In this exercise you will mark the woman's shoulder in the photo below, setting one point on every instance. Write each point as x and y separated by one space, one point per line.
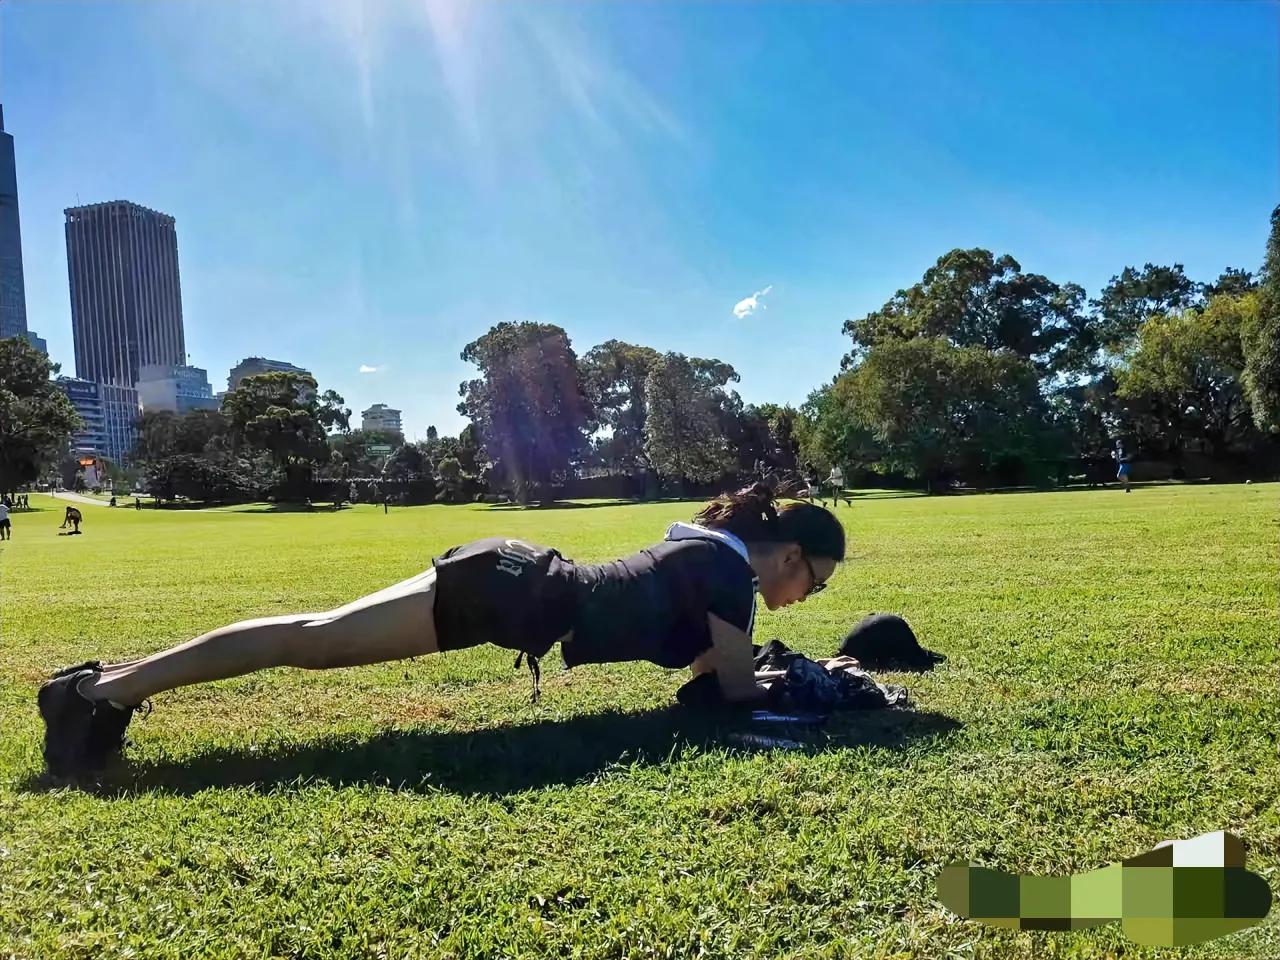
709 555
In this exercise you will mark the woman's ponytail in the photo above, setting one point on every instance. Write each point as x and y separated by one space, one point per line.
749 514
753 515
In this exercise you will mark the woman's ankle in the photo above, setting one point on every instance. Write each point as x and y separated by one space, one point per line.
99 687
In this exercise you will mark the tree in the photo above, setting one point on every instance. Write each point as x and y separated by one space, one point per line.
614 377
1261 340
36 417
936 410
157 436
831 432
280 413
352 448
450 480
1187 365
784 423
194 477
528 406
971 298
164 433
197 429
1232 282
1132 296
683 439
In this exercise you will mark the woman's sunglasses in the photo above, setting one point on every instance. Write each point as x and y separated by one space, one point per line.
816 585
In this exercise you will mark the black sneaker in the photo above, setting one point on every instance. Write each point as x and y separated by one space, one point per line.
68 718
80 735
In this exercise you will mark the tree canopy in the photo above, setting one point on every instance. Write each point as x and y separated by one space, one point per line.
36 418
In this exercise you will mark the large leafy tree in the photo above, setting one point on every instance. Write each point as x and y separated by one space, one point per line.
1232 282
614 376
282 414
1187 367
353 457
784 425
683 436
831 432
36 418
1133 296
164 433
936 410
971 298
196 478
157 436
1261 339
528 405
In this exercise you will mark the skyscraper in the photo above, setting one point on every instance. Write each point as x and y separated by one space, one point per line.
13 296
126 305
126 299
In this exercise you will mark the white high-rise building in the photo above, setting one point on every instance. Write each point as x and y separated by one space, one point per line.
382 418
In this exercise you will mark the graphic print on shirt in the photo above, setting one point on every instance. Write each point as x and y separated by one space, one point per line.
515 556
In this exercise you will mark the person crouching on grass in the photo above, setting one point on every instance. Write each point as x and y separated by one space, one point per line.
688 601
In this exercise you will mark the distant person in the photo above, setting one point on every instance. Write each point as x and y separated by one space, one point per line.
812 491
6 528
72 517
386 503
1123 465
137 504
687 601
113 502
836 482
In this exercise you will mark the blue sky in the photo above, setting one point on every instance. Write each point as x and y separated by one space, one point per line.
373 185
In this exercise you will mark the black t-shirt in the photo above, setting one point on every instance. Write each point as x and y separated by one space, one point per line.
653 605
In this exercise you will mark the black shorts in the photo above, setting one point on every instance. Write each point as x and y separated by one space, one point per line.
4 524
510 593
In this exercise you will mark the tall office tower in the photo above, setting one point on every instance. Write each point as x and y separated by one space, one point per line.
13 295
126 305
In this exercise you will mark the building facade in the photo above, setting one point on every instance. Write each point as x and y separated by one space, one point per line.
251 366
381 417
86 397
126 297
120 412
13 293
175 388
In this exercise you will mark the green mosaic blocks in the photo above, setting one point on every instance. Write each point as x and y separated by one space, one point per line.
1180 893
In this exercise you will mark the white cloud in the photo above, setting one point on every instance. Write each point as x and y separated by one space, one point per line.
747 306
365 368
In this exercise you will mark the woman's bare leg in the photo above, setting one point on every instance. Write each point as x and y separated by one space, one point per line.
392 624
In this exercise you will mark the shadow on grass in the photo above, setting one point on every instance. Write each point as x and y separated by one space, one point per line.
323 507
498 761
573 504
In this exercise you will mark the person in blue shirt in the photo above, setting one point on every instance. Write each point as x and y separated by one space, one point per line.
1123 465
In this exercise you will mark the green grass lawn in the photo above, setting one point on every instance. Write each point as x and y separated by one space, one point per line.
1114 680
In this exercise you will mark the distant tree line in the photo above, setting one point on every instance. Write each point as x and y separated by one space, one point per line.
981 373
